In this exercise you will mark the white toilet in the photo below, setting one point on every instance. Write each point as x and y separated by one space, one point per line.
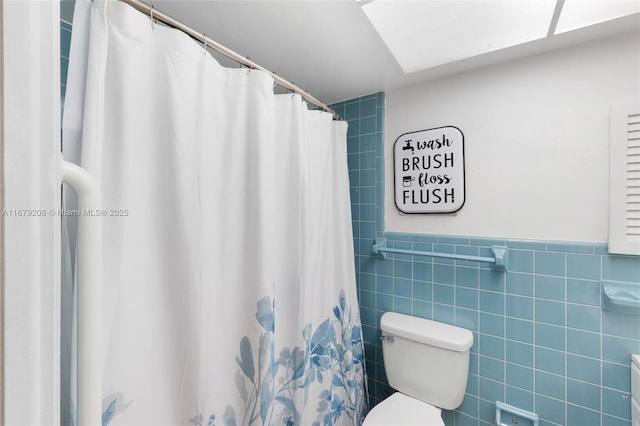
427 362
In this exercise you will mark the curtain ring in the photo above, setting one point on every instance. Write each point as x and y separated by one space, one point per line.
153 22
205 43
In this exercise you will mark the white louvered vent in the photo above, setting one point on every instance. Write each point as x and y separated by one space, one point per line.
624 184
633 176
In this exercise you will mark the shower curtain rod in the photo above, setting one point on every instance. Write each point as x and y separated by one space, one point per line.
168 20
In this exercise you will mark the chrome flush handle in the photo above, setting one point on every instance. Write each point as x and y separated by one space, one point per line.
387 339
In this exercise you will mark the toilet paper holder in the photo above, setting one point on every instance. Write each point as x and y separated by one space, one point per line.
507 415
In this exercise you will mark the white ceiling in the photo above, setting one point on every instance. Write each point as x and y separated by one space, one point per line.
330 48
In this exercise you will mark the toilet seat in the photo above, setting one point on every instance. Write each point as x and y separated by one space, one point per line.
400 409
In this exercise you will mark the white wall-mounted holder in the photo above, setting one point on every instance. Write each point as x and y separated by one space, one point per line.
499 260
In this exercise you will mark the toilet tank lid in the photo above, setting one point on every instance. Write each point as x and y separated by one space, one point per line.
426 331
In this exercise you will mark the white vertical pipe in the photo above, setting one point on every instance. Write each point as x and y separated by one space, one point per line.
89 294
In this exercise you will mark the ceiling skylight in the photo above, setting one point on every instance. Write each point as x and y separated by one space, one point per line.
581 13
422 34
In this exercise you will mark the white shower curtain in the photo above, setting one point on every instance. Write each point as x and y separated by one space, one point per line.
229 282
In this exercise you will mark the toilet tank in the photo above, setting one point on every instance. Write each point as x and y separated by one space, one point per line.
425 359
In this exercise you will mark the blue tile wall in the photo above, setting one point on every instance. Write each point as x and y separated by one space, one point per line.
541 340
65 43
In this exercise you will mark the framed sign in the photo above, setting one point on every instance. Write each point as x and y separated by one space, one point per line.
429 171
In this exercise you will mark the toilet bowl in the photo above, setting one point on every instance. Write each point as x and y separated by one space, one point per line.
427 363
400 409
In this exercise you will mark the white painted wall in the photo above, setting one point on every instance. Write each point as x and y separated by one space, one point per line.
536 141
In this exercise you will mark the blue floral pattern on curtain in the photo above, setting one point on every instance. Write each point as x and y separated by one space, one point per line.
275 388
